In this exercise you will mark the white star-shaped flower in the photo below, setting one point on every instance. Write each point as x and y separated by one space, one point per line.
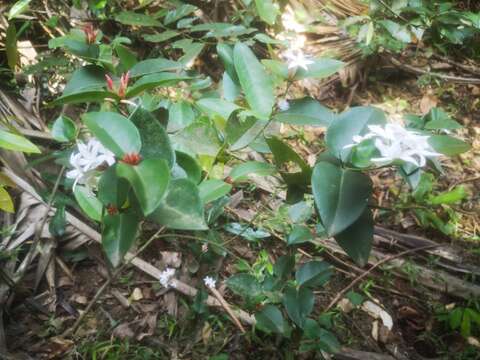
89 157
209 282
166 277
297 59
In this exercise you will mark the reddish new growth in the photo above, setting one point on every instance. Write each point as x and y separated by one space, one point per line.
90 33
131 159
112 209
122 89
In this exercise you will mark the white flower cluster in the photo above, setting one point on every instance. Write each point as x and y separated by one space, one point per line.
89 157
209 282
394 142
166 278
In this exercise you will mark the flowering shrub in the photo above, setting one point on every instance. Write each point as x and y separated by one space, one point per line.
155 129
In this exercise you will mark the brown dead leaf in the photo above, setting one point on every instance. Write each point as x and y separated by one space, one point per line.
206 333
171 259
79 299
123 331
428 102
150 322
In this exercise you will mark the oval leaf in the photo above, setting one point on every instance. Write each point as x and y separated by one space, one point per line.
149 180
15 142
306 111
114 131
340 195
118 235
88 203
313 273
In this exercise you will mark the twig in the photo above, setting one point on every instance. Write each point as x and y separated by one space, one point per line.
381 262
418 71
227 308
100 291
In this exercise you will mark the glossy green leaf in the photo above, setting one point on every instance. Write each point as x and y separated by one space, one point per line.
241 171
18 8
313 273
114 131
231 91
225 52
217 107
112 190
213 189
118 235
299 304
127 58
199 138
300 234
64 129
181 208
81 48
180 115
179 12
256 84
154 138
270 319
58 222
448 145
439 119
188 166
242 132
399 32
245 285
158 38
357 239
267 10
348 124
149 180
284 266
306 111
449 197
88 202
152 66
15 142
152 81
6 203
220 30
341 195
136 19
320 69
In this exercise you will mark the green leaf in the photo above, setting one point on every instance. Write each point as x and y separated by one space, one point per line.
199 138
15 142
313 274
154 138
270 319
180 115
299 304
187 166
64 129
300 234
112 190
284 266
242 132
306 111
118 235
152 81
320 69
164 36
348 124
256 84
18 8
439 119
222 29
149 180
11 46
6 203
241 171
217 107
86 85
179 12
127 58
245 285
340 195
267 10
136 19
181 208
231 91
357 239
449 197
225 52
213 189
152 66
448 145
81 48
88 202
397 31
114 131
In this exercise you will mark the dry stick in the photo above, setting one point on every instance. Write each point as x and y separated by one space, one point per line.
381 262
227 308
100 291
